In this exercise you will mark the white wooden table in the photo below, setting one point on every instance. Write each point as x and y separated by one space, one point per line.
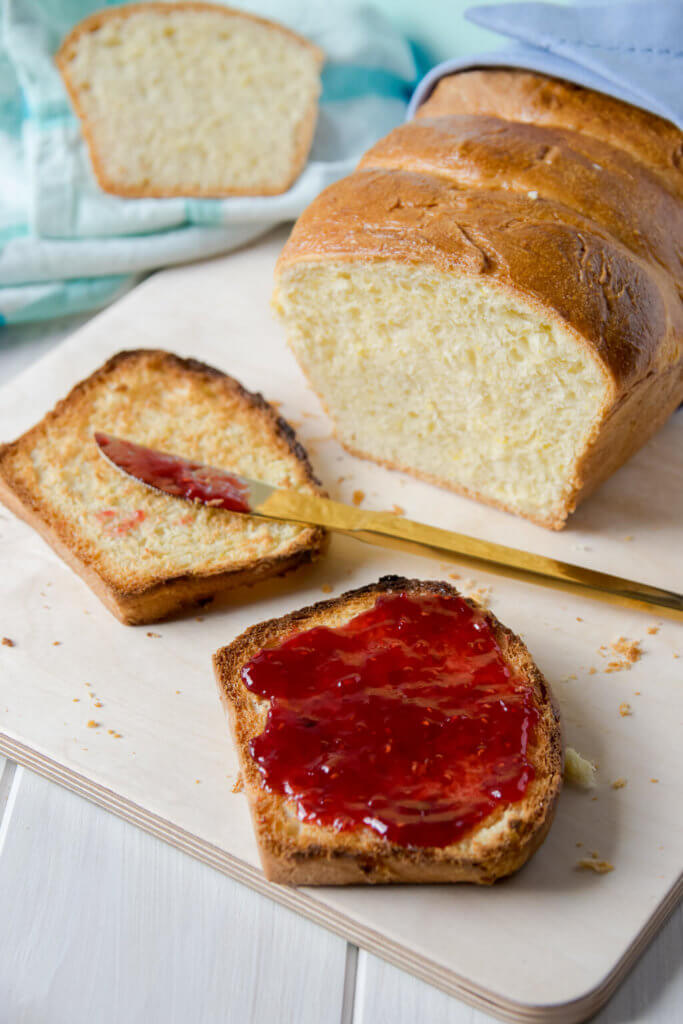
101 923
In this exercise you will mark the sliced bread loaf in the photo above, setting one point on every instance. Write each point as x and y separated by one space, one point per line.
513 280
146 554
398 733
192 99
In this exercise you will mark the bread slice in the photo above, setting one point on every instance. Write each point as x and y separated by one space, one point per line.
192 99
304 852
147 554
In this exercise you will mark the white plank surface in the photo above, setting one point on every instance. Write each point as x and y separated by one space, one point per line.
103 923
652 994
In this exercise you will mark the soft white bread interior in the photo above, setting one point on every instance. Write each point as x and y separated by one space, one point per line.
192 99
144 553
464 383
495 305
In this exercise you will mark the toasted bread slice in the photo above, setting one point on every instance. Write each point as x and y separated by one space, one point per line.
147 554
192 99
296 849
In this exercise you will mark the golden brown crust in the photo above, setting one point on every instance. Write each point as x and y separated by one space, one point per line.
604 184
566 265
527 96
313 855
93 22
131 601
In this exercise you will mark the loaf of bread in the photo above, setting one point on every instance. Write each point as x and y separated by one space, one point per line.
146 554
492 301
192 99
360 768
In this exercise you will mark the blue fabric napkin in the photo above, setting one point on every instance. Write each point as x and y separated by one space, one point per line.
631 50
65 245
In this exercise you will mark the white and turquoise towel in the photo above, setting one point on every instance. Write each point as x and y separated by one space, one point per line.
65 245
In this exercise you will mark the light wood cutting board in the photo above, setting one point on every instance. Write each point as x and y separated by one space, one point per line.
551 943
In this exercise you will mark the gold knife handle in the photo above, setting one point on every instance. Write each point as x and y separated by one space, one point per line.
583 582
391 531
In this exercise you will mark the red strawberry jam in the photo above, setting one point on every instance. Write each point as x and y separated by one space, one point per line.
172 474
406 719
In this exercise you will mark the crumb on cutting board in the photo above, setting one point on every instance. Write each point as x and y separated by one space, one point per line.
625 709
578 770
619 783
652 630
92 724
594 863
358 497
6 642
628 651
239 783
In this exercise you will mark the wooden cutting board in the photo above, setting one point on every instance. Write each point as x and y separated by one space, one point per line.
551 943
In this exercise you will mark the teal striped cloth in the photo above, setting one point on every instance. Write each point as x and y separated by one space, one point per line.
67 246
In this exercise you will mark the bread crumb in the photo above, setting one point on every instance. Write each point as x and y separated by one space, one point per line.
111 732
567 679
197 781
578 770
629 536
654 780
76 700
327 588
239 783
629 649
99 704
92 724
358 496
579 844
177 691
579 619
600 867
398 510
454 576
592 670
652 630
619 783
625 709
117 736
88 684
6 642
629 652
150 633
56 643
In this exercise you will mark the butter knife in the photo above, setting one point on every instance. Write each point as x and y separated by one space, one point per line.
185 478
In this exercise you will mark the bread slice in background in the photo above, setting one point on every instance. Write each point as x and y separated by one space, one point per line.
304 853
147 554
192 99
